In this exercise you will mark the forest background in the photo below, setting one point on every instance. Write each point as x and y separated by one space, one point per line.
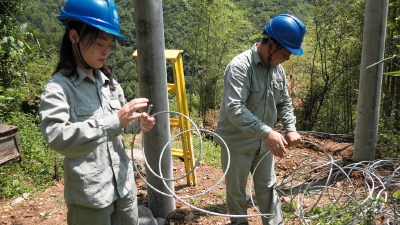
323 82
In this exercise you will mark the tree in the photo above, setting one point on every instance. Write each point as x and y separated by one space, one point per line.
335 40
219 31
16 47
391 84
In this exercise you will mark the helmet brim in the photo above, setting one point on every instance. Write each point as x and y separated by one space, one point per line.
295 51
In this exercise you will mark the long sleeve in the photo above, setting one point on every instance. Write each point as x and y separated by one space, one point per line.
237 90
67 138
133 126
285 106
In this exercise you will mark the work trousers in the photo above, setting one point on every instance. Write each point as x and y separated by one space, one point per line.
264 183
123 211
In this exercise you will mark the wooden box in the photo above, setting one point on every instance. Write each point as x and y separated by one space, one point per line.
10 145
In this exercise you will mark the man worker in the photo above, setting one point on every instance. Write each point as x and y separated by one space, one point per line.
254 95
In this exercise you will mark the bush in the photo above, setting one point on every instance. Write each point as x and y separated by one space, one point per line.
388 136
40 166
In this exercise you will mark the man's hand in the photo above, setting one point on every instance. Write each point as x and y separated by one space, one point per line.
276 143
127 113
293 138
146 122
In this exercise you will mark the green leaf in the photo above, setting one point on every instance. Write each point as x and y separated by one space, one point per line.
4 40
395 73
15 183
384 60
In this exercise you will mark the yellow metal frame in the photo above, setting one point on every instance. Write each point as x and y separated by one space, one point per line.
179 89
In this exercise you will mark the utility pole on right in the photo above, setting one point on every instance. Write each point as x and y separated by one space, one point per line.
373 50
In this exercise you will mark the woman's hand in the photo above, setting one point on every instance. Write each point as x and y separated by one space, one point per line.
146 122
128 112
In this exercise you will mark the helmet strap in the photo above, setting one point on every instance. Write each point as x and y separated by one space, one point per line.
65 22
76 45
78 53
270 55
77 48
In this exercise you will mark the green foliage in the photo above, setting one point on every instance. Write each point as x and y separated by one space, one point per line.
15 45
288 208
328 78
36 171
260 12
323 81
211 152
27 87
211 48
388 135
8 10
220 194
23 74
345 214
18 52
390 83
391 58
41 20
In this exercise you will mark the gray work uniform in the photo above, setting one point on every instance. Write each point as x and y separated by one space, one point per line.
79 121
254 97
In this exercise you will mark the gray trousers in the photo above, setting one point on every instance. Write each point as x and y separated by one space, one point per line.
264 183
123 211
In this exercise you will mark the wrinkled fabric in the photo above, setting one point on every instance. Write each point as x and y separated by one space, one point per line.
79 121
124 211
264 179
253 98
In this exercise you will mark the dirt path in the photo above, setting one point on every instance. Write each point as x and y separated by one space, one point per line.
48 207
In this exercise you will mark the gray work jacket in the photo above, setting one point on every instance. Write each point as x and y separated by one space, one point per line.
79 121
253 97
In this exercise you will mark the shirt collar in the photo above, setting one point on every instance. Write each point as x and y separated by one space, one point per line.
80 76
101 77
256 56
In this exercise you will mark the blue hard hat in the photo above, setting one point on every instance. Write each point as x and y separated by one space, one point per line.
288 30
102 14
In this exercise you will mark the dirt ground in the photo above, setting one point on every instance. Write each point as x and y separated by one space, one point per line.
48 207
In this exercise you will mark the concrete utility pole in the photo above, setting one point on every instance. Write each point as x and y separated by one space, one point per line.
370 80
153 85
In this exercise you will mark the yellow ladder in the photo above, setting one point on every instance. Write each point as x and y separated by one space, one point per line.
179 89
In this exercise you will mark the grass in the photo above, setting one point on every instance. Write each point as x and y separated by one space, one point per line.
211 153
220 194
335 215
59 201
197 201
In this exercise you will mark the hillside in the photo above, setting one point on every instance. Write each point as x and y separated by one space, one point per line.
181 25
